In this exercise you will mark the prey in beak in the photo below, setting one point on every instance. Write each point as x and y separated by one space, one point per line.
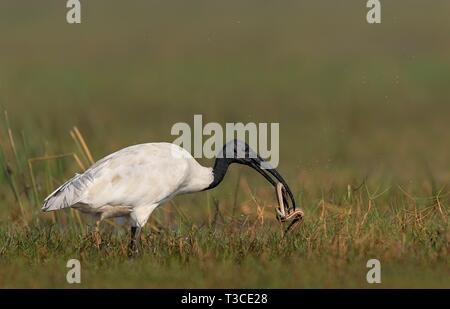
293 217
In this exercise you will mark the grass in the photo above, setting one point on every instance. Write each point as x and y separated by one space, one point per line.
237 245
364 140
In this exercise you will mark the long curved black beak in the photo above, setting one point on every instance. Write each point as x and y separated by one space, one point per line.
264 168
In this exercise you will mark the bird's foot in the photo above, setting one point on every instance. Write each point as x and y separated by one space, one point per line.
133 250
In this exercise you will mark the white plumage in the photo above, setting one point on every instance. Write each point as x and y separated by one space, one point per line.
132 182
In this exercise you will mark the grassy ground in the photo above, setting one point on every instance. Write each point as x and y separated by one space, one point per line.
364 137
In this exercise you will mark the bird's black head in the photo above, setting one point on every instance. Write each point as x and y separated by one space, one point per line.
237 151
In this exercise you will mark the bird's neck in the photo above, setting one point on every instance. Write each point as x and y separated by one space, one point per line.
219 170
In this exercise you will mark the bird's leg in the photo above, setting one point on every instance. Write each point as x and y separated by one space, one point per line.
133 248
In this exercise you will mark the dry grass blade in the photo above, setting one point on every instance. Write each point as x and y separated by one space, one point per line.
83 145
8 171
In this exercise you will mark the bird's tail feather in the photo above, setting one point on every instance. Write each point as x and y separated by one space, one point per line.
66 195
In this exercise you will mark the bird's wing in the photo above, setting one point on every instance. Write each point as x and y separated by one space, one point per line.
73 190
68 194
140 175
137 175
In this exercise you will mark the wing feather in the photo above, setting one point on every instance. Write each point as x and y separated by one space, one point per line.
69 193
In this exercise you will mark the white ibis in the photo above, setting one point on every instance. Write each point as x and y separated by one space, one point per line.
132 182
